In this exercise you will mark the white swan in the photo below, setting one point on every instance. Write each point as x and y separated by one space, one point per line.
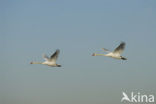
115 54
50 61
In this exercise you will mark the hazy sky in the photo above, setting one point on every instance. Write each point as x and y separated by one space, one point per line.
29 28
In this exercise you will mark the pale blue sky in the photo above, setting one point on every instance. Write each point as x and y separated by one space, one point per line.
29 28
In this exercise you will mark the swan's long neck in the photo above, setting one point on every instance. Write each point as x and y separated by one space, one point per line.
36 63
94 54
100 54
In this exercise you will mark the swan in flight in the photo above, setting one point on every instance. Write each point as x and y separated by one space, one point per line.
115 54
50 61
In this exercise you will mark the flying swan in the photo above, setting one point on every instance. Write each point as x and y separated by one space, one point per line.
50 61
115 54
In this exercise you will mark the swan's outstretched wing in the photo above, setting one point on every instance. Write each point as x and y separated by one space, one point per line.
55 55
45 57
120 48
106 50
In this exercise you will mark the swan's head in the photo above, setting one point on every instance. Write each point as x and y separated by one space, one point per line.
94 54
31 62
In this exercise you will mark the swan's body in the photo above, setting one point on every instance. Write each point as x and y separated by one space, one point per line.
50 61
115 54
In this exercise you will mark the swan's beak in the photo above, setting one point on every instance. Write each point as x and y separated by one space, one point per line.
93 54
